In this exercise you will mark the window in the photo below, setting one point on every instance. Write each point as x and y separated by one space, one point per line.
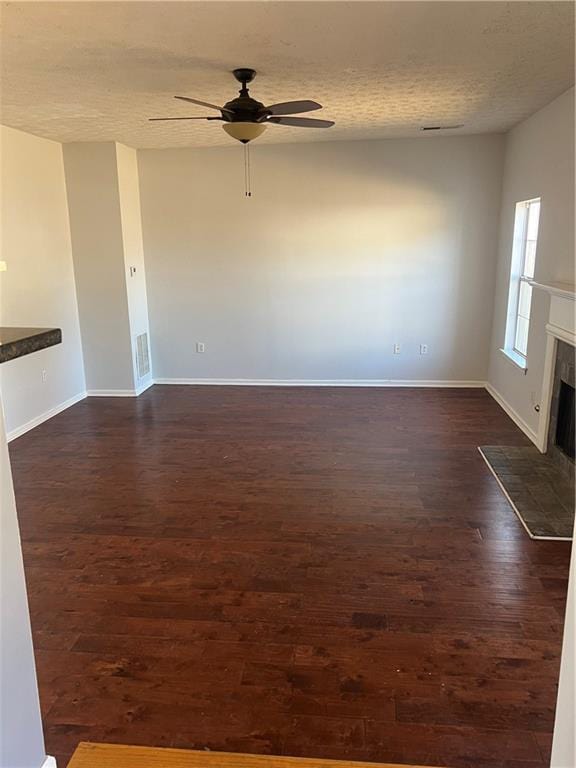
521 274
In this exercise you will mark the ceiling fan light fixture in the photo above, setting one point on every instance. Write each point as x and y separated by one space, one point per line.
244 131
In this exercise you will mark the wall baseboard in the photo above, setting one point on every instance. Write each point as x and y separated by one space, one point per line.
121 392
323 382
112 393
518 420
14 433
144 387
417 383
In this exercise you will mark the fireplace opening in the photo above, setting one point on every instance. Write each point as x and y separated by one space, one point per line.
565 438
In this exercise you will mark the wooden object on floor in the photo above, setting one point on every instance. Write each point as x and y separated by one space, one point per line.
90 755
292 571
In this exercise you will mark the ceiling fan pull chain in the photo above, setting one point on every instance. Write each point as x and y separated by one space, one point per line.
245 171
249 171
247 174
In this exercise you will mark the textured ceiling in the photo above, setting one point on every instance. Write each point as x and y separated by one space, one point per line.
95 71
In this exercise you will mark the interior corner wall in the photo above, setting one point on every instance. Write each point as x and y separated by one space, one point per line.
38 287
539 162
98 251
345 249
134 266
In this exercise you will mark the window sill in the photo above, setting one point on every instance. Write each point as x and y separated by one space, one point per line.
514 357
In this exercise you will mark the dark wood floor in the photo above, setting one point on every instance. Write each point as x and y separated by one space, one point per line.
321 572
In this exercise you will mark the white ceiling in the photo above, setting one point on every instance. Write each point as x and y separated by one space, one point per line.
95 71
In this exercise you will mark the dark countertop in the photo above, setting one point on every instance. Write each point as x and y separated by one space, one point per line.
17 342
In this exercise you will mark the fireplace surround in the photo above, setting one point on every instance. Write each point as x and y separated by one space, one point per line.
559 369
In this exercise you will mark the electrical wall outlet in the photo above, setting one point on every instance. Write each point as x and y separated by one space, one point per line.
396 349
200 346
423 349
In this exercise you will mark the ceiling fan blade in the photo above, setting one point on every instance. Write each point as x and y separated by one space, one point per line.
154 119
301 122
293 107
203 104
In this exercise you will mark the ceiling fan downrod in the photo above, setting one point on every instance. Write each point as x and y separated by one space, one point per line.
244 75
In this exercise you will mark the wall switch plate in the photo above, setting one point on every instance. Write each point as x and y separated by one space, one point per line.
200 346
423 349
396 349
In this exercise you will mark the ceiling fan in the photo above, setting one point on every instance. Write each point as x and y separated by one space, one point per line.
245 118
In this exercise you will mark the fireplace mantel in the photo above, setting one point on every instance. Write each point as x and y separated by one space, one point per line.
565 290
561 326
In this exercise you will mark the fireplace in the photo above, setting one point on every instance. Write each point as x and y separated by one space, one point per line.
561 429
565 423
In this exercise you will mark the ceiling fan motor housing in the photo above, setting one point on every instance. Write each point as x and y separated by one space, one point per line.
244 109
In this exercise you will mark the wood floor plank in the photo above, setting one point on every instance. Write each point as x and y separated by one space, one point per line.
302 572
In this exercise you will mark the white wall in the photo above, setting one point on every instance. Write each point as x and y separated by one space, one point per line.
564 742
21 738
539 163
345 249
38 287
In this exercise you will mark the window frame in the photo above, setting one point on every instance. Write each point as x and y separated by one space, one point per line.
519 277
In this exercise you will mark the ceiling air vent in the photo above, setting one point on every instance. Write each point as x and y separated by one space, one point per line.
440 127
